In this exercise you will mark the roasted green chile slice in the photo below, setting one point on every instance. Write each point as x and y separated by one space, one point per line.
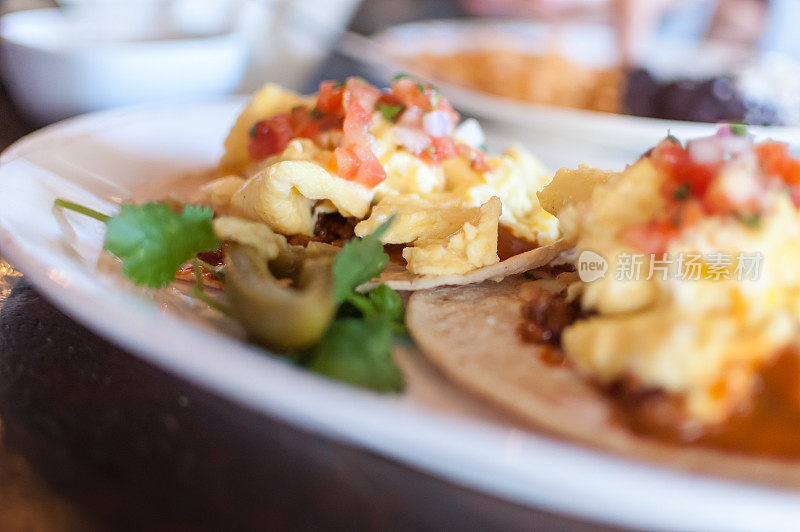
287 312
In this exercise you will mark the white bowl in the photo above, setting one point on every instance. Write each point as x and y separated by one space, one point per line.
54 68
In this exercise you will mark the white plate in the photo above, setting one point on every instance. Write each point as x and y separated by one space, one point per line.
555 132
99 159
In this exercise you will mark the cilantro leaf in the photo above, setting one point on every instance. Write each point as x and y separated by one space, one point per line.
672 138
357 347
436 97
381 303
387 302
750 219
153 241
360 260
682 192
390 112
359 352
739 128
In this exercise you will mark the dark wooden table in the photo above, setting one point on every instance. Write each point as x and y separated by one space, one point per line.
94 438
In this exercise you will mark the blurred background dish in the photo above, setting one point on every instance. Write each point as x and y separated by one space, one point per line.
579 66
289 39
574 66
112 53
558 86
525 73
55 66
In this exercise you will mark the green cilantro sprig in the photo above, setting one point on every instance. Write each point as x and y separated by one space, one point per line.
360 260
198 292
390 112
359 352
682 192
357 347
435 95
750 219
152 240
739 128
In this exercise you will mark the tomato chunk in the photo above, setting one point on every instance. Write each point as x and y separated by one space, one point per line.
329 99
441 148
356 123
271 136
344 163
676 161
358 90
651 237
357 163
776 161
412 94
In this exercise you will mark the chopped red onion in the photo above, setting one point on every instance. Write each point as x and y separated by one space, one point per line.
413 140
437 124
736 144
705 150
719 147
724 131
470 133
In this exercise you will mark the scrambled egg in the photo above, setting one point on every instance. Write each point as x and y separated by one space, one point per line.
445 236
701 339
447 214
515 178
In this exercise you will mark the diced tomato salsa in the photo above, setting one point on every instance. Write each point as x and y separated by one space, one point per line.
348 107
329 99
776 161
681 170
689 192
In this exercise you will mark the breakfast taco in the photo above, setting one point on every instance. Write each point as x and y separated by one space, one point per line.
337 165
670 332
324 206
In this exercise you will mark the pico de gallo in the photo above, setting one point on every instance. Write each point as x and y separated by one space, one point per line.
693 187
342 115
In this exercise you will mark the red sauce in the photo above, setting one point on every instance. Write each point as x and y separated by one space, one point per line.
544 317
395 252
213 258
552 356
331 228
509 245
768 426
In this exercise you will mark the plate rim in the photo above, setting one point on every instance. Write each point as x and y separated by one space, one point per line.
470 456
